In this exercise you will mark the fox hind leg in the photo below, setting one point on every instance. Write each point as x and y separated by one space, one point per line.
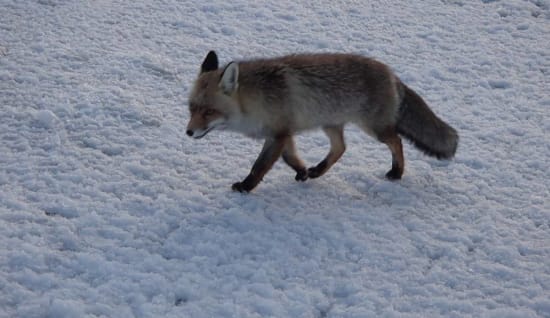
337 148
393 141
290 157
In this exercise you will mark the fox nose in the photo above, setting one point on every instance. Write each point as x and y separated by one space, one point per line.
189 132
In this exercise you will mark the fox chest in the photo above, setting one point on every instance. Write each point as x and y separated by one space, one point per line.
251 127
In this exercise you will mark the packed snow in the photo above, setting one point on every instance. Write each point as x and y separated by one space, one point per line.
107 208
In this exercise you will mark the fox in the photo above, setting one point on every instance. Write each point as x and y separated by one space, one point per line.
276 98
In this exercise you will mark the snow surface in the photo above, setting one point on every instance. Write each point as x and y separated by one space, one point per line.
107 209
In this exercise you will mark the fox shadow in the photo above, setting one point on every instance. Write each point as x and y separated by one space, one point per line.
332 192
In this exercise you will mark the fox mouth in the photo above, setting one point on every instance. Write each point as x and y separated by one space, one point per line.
204 133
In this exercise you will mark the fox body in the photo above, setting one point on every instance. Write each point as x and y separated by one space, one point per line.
274 99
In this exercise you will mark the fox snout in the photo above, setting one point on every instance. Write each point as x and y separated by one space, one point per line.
195 129
201 123
199 133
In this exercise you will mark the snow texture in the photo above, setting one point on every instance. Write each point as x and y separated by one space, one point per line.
107 208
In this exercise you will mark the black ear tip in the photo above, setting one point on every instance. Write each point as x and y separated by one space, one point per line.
210 62
212 56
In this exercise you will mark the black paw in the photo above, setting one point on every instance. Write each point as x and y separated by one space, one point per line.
318 170
314 172
394 174
301 175
240 186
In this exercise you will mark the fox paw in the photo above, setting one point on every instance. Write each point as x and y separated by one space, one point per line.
240 187
314 172
394 174
301 175
318 170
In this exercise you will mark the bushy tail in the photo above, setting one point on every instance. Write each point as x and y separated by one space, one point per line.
424 129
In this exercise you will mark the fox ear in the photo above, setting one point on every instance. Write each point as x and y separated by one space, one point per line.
210 63
229 81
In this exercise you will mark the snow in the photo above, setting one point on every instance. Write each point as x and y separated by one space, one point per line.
107 208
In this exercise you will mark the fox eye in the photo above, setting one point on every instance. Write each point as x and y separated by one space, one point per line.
209 112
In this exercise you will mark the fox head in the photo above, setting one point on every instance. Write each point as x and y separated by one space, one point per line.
212 102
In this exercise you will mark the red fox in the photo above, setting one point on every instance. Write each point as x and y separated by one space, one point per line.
276 98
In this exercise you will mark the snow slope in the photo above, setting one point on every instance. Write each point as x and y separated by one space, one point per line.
107 209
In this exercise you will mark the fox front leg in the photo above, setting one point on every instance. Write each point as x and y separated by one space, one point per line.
290 157
337 148
271 151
